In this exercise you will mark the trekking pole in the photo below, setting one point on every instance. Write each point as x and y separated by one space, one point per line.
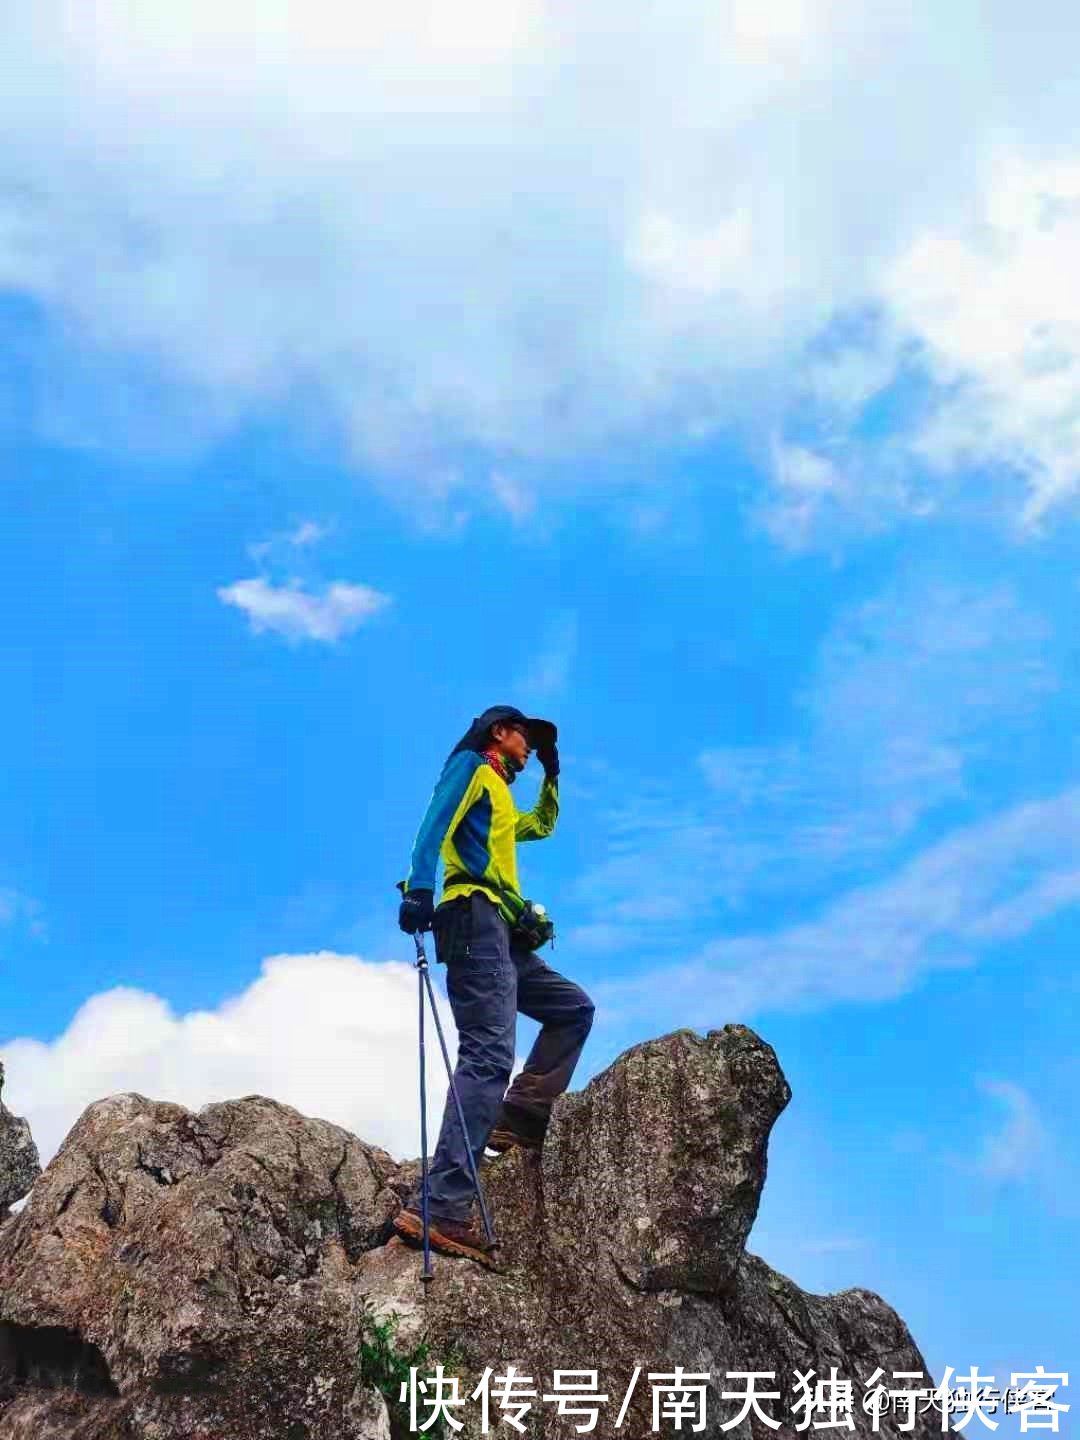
425 979
426 1273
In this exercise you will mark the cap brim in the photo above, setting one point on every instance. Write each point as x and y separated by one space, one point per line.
541 733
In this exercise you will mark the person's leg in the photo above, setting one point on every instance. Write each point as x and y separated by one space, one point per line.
481 984
565 1013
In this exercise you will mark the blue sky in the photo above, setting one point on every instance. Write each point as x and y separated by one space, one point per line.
330 438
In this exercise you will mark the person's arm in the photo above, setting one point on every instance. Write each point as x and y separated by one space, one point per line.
451 790
539 822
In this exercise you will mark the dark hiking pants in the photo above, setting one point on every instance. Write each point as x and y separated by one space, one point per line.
487 982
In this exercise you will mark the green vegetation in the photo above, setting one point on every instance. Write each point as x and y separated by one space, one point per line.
386 1368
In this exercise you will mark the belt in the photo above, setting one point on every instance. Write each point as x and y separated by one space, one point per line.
493 890
449 884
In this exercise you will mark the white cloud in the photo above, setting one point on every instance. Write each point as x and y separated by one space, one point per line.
804 482
332 1035
979 312
997 318
290 611
677 256
766 22
386 222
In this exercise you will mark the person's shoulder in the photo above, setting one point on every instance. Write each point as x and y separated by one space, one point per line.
464 763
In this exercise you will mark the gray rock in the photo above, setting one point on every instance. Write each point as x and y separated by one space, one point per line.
673 1139
623 1245
192 1276
19 1162
207 1275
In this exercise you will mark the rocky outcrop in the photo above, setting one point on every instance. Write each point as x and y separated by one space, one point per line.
221 1275
19 1163
195 1274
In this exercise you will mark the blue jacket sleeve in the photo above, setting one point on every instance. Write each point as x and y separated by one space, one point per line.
445 799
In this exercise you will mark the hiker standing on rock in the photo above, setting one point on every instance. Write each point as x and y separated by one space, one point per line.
487 936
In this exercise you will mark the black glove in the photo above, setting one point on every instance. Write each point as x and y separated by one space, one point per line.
417 911
548 755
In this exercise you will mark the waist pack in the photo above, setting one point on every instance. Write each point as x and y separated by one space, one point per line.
534 928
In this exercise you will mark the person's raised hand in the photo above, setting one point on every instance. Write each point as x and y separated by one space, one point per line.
548 755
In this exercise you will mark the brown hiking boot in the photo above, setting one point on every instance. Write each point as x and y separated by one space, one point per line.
449 1237
516 1127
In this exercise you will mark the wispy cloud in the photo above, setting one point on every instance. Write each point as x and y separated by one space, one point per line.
513 496
833 1245
804 483
306 534
866 834
909 690
23 910
547 672
1017 1149
878 940
309 533
291 611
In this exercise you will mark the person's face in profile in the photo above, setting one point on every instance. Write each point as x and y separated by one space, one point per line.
512 742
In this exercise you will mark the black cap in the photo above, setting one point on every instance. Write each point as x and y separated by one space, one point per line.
538 732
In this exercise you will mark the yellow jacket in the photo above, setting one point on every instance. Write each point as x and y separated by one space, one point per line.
472 823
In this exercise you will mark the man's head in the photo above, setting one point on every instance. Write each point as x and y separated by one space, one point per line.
511 739
517 732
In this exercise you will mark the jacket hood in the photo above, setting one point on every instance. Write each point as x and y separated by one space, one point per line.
478 735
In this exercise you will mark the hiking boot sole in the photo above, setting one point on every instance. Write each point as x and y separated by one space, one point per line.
411 1227
501 1139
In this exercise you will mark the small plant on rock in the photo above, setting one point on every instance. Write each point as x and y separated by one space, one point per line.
386 1368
